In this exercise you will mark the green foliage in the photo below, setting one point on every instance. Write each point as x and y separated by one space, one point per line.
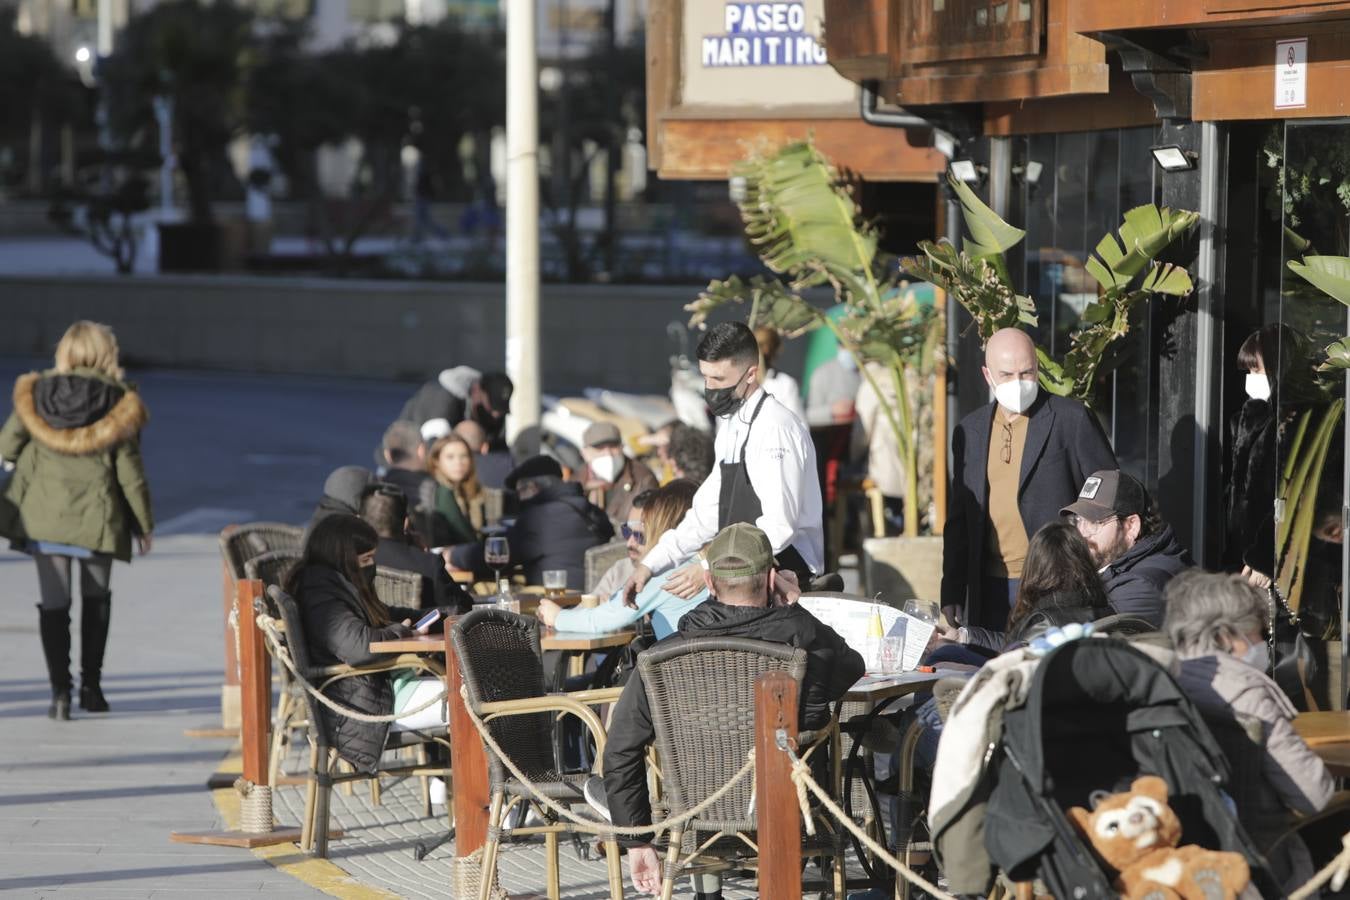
1331 276
801 217
1124 264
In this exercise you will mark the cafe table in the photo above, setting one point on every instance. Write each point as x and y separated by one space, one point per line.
549 639
1327 733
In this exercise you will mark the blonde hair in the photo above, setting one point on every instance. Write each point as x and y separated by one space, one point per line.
666 508
468 490
88 345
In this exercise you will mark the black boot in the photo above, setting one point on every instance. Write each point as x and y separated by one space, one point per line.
55 628
95 613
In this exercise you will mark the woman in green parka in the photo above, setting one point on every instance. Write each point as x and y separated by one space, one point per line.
77 494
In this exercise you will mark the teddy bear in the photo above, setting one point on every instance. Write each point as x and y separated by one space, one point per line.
1136 833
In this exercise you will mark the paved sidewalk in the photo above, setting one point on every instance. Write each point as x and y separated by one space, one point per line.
86 806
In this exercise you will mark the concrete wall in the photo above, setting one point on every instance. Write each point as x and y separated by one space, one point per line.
612 336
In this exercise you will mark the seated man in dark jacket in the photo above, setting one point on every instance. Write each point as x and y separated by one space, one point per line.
556 524
1136 551
386 510
741 578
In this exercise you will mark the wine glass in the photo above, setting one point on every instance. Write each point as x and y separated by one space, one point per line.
496 553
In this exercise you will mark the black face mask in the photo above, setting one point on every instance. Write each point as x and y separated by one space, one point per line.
484 417
368 576
723 401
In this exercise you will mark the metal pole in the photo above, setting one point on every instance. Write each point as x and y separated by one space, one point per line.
105 28
1339 701
1000 174
522 215
1208 322
164 117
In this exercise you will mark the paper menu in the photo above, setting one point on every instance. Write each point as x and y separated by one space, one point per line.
850 618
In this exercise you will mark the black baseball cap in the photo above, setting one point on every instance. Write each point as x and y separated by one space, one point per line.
535 467
497 387
1108 493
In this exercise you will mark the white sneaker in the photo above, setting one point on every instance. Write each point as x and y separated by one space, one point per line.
437 792
594 792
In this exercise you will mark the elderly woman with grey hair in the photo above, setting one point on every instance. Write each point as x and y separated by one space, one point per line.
1218 624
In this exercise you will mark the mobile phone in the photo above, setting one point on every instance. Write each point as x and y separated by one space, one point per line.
428 620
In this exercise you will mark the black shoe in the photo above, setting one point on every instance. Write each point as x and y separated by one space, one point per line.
91 699
55 630
60 708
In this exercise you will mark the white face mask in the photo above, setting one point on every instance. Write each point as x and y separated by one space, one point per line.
1258 386
1258 656
607 467
1016 396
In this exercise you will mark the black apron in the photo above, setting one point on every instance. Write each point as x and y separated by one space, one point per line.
738 502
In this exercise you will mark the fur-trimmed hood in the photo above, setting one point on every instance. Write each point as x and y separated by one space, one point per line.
111 411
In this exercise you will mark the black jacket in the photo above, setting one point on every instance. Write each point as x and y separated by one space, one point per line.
1064 445
1134 583
831 669
438 588
432 401
337 630
1249 488
554 530
1056 611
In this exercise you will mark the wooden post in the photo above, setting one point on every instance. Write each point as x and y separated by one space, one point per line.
229 690
470 763
255 676
940 414
776 810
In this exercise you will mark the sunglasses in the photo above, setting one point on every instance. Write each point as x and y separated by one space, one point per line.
632 533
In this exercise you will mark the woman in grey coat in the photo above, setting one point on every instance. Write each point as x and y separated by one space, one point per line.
1218 624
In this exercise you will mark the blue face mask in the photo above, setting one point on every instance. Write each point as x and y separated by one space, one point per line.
1258 656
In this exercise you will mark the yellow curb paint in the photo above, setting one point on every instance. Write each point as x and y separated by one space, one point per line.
319 874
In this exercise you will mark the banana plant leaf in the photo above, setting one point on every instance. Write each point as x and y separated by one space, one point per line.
772 304
1145 232
1338 356
1300 496
1329 274
990 236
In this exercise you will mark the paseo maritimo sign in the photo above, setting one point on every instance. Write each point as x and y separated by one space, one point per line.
762 34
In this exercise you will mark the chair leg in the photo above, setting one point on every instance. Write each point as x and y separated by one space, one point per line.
840 874
614 863
489 873
280 729
346 769
375 794
311 795
423 760
668 871
321 805
551 851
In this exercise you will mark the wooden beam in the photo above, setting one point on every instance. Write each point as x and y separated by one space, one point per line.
1090 16
469 758
1122 107
1238 79
229 691
708 148
776 812
856 41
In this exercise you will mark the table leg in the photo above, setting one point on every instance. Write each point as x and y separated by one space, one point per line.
469 764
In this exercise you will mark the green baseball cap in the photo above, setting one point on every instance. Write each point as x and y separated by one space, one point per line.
742 542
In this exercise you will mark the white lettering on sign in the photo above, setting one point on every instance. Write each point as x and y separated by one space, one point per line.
763 34
1291 73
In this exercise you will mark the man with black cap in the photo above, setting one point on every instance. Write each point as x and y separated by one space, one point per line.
556 524
463 393
765 473
1137 551
611 479
740 574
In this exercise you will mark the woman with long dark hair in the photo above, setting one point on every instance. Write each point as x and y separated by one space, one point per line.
334 585
78 495
1059 586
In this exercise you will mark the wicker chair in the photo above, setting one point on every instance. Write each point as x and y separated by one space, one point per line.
599 559
395 587
270 568
503 674
314 829
705 727
240 543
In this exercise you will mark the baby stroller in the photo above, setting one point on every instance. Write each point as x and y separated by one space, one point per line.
1097 714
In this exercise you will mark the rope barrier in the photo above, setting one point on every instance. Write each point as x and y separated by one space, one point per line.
255 806
1336 871
280 652
590 825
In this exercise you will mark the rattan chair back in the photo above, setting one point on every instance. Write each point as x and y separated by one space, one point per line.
241 543
397 587
702 698
297 646
499 658
599 559
271 567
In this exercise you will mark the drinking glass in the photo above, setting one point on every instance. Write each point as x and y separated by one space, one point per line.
892 656
496 553
923 610
555 582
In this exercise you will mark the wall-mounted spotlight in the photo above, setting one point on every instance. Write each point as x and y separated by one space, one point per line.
1030 174
968 170
1171 158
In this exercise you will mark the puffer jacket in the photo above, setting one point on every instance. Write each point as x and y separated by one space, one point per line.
74 438
832 667
1287 778
554 530
337 630
1134 583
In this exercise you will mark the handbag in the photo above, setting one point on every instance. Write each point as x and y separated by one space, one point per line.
1293 665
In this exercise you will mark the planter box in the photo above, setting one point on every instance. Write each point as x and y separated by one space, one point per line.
903 568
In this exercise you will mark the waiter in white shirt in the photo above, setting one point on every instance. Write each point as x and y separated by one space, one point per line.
766 473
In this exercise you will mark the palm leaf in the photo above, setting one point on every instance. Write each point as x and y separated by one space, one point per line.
990 236
1145 232
772 304
1329 274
